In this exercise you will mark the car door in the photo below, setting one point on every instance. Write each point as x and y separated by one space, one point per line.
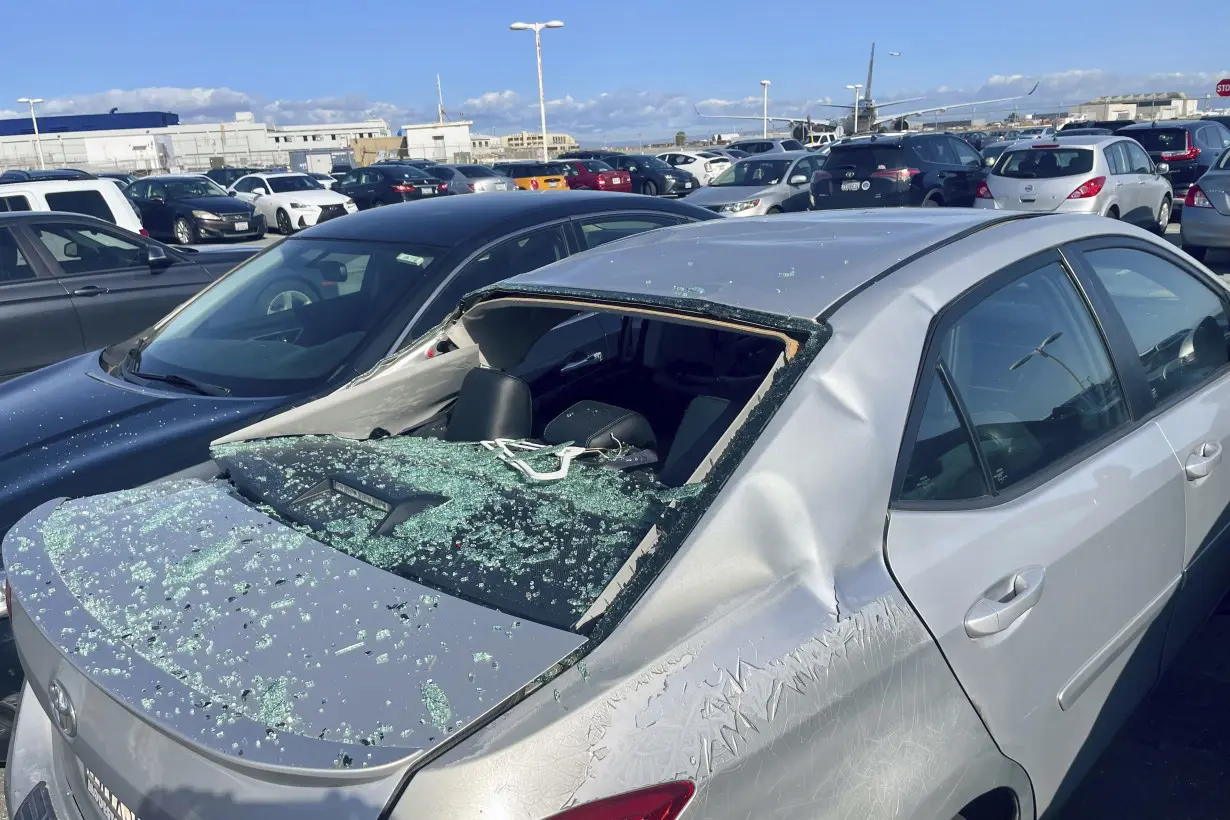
1177 321
150 197
1120 165
374 184
1141 186
954 181
349 185
1036 528
114 288
970 171
38 325
798 197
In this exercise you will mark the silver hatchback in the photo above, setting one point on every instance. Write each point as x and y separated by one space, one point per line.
1106 176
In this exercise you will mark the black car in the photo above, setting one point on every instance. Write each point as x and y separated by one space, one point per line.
1189 147
388 184
127 179
71 283
652 176
226 177
929 170
17 175
188 209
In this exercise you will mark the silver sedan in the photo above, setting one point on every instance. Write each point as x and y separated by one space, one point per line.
880 514
472 178
1206 211
770 183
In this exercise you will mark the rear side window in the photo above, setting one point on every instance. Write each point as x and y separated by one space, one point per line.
943 465
867 159
1035 380
90 203
14 203
1178 325
1044 163
792 145
13 264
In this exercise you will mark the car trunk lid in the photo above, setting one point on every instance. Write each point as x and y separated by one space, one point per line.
191 628
1216 187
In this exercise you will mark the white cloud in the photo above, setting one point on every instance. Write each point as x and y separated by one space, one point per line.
613 115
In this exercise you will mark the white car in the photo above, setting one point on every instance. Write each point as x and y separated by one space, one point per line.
291 201
100 198
706 166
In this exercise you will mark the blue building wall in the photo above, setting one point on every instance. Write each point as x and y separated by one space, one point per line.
21 126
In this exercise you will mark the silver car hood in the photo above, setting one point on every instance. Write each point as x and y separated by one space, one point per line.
244 638
727 195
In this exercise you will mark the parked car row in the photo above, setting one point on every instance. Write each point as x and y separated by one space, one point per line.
412 496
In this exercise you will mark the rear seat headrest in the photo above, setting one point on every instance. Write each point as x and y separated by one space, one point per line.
490 405
600 426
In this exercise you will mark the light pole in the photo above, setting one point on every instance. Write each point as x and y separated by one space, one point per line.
542 100
765 85
38 142
855 88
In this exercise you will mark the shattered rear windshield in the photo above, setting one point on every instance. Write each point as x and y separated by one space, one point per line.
453 516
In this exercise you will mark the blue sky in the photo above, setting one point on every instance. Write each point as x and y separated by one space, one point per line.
615 70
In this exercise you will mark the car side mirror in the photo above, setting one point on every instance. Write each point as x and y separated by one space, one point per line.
155 256
71 251
259 192
798 179
1162 169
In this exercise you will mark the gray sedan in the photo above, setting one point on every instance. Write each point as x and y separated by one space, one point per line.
763 184
1206 211
861 514
472 179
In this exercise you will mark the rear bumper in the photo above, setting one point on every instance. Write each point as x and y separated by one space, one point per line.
226 230
1205 228
1092 206
32 761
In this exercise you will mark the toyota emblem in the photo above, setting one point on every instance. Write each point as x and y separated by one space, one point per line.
62 711
849 175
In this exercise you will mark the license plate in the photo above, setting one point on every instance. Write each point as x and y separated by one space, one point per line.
553 184
241 226
428 190
852 185
687 185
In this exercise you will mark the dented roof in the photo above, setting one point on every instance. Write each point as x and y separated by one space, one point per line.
794 265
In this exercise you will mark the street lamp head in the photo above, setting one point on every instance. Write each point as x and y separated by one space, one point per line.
554 24
855 87
520 26
766 83
30 100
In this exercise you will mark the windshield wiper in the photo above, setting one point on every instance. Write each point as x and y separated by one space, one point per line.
183 381
131 366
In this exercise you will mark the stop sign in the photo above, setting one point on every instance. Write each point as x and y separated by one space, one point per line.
1223 88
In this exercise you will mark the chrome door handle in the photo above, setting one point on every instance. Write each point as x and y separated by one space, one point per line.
592 358
1005 602
1201 463
89 290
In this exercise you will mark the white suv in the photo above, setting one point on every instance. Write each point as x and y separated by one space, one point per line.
99 198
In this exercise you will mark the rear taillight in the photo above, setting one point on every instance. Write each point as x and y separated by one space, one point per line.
144 232
1196 198
1190 152
470 185
601 181
403 189
984 192
662 802
897 174
443 187
1091 188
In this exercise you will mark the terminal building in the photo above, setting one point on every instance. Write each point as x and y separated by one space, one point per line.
154 141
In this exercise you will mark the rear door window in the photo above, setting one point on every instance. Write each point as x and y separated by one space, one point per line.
81 250
1044 163
90 203
966 155
1117 158
14 203
13 264
943 464
1138 161
1033 375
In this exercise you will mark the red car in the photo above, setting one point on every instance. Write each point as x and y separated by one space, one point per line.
593 175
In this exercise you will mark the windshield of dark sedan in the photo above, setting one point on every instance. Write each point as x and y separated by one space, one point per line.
286 320
283 185
755 173
192 188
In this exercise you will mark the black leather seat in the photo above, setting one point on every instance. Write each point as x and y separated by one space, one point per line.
600 426
491 404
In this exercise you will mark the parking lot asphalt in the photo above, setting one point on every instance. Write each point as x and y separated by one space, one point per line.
1172 759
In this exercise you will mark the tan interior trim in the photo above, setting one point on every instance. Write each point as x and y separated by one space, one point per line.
791 346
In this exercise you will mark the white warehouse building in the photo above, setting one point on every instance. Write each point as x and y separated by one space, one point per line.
182 147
